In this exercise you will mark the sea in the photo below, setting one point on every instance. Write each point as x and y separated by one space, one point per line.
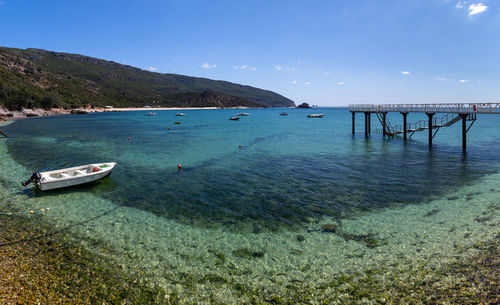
269 204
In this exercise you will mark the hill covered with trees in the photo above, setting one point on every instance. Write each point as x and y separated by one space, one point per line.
39 78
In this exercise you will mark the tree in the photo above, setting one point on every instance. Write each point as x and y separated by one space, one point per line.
49 102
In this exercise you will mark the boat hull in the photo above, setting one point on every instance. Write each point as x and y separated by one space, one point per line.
73 176
316 115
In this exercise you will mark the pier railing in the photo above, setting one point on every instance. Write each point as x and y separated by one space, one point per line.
486 108
437 122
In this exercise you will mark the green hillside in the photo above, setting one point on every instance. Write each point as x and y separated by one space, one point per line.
39 78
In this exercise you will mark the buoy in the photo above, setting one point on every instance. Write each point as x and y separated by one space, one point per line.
32 212
129 138
47 209
239 146
179 166
42 210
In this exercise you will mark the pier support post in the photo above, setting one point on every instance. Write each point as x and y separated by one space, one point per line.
464 132
353 121
404 124
366 124
369 122
430 115
384 114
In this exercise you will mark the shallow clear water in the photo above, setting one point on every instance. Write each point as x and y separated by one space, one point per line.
292 175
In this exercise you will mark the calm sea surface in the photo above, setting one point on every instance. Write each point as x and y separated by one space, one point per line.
254 215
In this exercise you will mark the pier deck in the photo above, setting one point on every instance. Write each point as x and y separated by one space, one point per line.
484 108
466 112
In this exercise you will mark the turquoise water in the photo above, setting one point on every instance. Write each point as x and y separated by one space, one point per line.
234 215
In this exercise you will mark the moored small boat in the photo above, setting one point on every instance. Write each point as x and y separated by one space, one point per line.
180 114
234 118
316 115
243 114
70 176
283 113
150 114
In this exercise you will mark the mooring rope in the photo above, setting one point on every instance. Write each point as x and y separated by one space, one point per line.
81 223
37 210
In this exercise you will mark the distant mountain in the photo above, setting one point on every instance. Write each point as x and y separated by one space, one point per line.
39 78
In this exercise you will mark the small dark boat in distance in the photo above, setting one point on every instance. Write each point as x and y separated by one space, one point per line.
243 114
283 113
234 118
180 114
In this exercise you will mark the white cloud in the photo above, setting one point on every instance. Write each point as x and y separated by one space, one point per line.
460 4
340 83
463 81
153 69
299 61
206 65
437 77
326 73
244 67
477 8
287 68
293 82
405 72
307 83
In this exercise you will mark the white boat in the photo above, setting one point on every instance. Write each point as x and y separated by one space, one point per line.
243 114
150 114
234 118
180 114
316 115
70 176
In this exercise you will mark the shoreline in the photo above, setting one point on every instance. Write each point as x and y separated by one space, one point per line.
8 115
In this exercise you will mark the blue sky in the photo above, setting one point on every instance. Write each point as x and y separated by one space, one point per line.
320 52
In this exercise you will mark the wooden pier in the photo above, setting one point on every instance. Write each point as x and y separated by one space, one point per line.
450 114
3 133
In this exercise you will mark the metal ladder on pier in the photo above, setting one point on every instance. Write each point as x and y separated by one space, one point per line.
3 133
389 130
438 122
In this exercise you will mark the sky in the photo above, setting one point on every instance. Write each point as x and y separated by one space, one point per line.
326 53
